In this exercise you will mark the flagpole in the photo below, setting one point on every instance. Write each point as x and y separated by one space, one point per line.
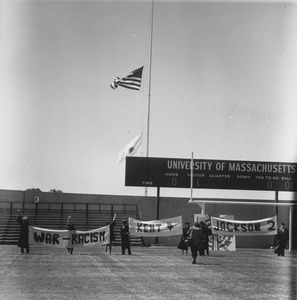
149 90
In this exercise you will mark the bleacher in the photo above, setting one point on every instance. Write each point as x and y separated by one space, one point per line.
54 216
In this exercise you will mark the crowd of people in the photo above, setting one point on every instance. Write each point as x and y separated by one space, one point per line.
197 238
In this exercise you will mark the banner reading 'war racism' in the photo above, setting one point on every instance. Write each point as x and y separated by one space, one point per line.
165 227
68 238
266 226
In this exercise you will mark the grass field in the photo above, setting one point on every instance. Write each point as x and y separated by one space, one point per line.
149 273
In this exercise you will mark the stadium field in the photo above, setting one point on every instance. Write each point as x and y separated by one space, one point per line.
157 272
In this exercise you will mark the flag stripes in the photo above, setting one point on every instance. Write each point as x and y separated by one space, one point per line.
131 81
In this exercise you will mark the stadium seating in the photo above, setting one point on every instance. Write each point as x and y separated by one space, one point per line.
85 218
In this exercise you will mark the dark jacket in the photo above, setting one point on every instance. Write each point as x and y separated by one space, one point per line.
197 237
23 241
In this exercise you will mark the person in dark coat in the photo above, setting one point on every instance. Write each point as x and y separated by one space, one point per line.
125 236
206 233
182 244
282 240
23 241
70 226
195 233
111 224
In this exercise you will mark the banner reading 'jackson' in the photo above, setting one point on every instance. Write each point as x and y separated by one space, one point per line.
68 238
165 227
266 226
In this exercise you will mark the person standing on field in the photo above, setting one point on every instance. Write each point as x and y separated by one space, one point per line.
282 240
125 236
195 234
206 233
23 241
111 225
182 244
70 227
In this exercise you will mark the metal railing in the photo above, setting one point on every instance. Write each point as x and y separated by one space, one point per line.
63 208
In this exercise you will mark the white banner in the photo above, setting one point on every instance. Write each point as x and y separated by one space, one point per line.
68 238
266 226
165 227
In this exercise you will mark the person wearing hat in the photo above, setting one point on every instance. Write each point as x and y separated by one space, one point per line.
125 236
23 241
195 233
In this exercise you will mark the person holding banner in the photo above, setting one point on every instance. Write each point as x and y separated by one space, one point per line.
70 227
125 236
206 232
195 234
282 240
23 241
111 224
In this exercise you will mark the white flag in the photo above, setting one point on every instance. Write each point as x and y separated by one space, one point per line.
132 149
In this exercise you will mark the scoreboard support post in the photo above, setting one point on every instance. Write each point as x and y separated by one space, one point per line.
157 210
290 227
276 213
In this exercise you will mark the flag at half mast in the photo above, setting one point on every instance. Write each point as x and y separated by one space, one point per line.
131 81
132 149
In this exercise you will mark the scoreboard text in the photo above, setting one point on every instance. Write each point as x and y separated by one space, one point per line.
210 174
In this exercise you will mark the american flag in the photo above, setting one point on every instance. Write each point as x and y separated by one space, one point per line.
131 81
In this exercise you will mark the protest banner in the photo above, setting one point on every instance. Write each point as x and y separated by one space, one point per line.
68 238
266 226
156 228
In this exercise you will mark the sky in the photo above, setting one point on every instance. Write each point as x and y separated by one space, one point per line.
221 79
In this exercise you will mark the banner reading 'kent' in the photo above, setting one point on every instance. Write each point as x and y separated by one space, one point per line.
165 227
68 238
266 226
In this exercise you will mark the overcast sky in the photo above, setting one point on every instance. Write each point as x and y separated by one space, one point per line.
223 86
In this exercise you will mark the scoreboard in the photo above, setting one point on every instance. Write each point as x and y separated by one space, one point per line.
210 174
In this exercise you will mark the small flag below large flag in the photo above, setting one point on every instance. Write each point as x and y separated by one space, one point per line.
131 81
132 149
